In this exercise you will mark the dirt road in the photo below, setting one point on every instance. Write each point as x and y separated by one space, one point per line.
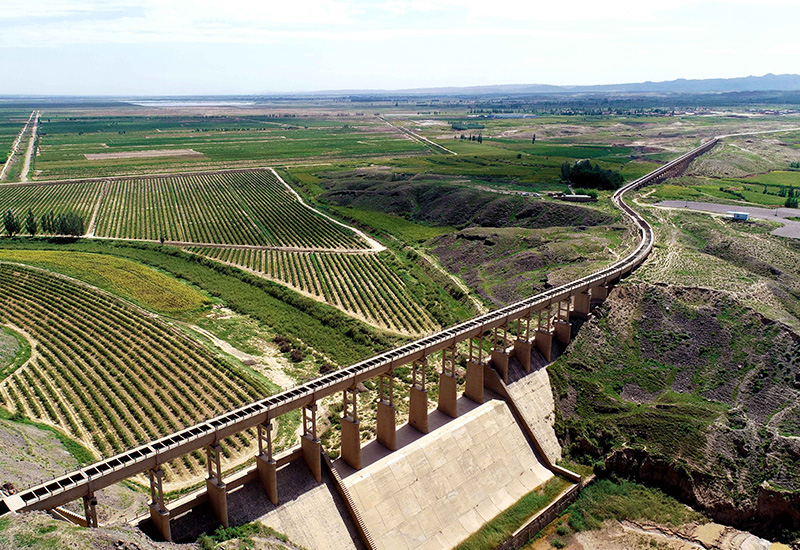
419 138
23 177
374 245
15 147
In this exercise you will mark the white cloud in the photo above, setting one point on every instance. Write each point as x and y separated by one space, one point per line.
252 21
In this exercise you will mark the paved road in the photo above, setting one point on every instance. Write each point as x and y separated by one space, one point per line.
790 228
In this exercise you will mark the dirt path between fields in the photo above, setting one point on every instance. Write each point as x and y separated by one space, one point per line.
760 132
93 222
23 177
374 245
15 146
237 246
418 138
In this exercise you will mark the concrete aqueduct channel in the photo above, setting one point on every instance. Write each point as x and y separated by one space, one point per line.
550 305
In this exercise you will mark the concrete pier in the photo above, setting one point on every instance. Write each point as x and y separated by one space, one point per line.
581 306
159 514
218 499
268 474
522 351
351 442
563 331
448 395
160 519
544 343
387 427
312 454
500 357
418 409
473 388
599 292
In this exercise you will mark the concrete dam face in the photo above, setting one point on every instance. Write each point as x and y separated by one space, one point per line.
440 488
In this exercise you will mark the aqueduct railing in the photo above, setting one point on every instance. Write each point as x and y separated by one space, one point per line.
549 311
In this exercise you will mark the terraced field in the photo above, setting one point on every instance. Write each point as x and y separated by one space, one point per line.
106 372
363 285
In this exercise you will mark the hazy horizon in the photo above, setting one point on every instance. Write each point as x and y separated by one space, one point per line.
148 48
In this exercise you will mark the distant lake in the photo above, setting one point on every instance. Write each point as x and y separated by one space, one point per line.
192 103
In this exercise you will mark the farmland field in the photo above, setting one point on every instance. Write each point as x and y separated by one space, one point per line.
11 122
218 140
131 280
365 286
105 372
242 208
80 198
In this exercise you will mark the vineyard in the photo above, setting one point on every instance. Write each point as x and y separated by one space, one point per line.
363 285
243 208
57 198
107 373
236 208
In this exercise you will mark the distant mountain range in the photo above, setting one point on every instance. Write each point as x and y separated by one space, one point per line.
768 82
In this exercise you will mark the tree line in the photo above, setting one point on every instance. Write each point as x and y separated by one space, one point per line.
66 223
591 176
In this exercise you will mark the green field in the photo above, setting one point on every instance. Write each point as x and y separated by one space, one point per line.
80 198
250 208
219 141
108 374
366 286
728 190
131 280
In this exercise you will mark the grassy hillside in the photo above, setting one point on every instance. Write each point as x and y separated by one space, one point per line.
688 377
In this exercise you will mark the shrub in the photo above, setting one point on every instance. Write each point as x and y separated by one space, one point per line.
297 355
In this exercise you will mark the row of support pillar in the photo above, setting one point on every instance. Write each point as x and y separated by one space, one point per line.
215 489
553 320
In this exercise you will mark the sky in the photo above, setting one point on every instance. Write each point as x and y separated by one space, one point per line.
212 47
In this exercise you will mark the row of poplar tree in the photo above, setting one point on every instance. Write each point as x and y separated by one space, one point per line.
67 223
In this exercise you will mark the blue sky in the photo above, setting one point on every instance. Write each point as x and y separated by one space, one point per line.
152 47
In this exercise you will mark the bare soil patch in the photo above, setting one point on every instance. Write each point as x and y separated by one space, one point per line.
143 154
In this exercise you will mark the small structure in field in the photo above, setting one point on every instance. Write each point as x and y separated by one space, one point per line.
578 198
739 216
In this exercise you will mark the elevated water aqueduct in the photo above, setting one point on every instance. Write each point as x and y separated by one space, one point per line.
516 330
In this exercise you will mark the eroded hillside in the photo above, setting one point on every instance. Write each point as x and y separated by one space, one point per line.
689 375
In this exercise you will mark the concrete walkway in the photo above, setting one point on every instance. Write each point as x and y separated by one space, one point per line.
790 228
